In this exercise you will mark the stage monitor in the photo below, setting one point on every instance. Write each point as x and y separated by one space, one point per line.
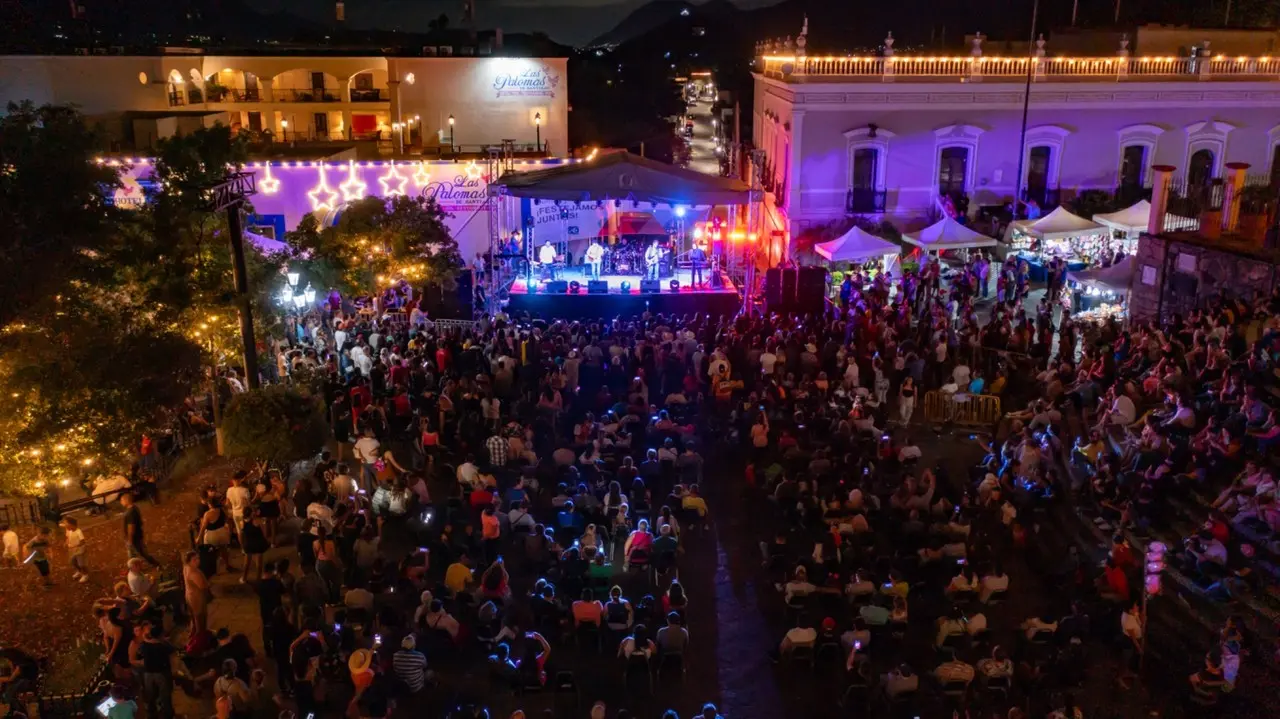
556 287
649 287
598 287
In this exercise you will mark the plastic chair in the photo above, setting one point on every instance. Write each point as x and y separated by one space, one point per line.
565 688
802 655
586 631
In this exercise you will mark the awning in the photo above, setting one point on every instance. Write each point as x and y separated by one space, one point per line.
948 234
1131 219
1060 224
854 246
1115 278
623 176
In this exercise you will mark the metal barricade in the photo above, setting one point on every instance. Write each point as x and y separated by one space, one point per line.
973 410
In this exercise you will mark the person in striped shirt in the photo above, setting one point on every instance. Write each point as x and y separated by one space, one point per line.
410 665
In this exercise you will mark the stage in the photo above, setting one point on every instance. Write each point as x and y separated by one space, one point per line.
533 297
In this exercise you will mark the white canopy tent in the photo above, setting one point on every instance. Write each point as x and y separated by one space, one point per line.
947 234
1060 225
856 245
1131 220
1114 278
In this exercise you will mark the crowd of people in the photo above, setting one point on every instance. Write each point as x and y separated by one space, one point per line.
502 494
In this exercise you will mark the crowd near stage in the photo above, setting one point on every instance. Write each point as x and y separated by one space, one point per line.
573 297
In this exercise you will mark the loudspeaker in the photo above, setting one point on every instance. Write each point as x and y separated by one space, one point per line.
556 287
648 287
789 279
598 287
773 287
811 289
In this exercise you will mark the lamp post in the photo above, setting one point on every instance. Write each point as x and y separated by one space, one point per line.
537 128
452 147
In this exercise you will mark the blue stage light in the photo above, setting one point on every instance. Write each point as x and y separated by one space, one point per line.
679 210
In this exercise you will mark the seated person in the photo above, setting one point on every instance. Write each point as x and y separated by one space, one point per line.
801 635
638 644
588 610
952 625
995 582
900 681
997 666
954 671
619 614
1037 625
673 637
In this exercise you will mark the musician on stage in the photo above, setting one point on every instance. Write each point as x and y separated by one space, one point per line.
594 256
651 257
547 258
697 260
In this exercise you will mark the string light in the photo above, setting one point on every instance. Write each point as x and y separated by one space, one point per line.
393 182
421 177
353 188
269 185
322 196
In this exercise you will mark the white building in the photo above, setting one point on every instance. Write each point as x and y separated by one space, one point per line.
888 135
136 99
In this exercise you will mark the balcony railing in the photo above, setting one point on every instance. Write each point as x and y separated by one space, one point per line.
370 95
1043 69
864 201
284 94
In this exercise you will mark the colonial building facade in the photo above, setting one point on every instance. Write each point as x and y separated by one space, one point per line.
136 99
890 135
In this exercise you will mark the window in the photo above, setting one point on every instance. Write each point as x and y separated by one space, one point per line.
1275 165
1133 165
953 168
1038 171
364 81
865 160
317 81
322 125
1200 168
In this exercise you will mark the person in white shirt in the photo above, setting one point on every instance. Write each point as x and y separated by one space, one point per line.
339 338
594 255
767 361
238 499
961 374
1037 625
801 635
909 450
997 581
366 450
468 472
547 255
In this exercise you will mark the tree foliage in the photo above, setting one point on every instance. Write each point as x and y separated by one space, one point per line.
276 424
378 242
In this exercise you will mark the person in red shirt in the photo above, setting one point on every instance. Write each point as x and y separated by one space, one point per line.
442 359
1122 553
1114 583
481 497
360 397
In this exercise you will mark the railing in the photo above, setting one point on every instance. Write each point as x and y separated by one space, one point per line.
284 94
177 98
886 69
372 95
864 201
978 410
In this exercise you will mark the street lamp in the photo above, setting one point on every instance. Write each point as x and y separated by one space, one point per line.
537 127
309 294
451 145
293 278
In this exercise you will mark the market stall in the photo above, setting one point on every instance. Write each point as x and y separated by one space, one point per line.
859 246
1082 243
1100 292
948 234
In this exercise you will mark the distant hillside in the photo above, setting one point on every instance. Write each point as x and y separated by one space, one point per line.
642 20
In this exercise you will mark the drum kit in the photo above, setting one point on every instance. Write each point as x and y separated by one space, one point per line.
628 259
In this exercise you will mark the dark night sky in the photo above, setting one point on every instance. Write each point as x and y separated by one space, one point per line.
567 21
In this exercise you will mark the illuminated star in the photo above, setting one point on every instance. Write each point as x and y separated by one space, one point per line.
269 185
322 196
353 188
420 176
392 182
473 171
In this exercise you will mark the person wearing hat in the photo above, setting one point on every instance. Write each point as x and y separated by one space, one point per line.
410 665
361 666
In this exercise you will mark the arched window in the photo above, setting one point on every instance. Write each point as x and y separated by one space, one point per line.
1200 168
1206 151
955 159
953 171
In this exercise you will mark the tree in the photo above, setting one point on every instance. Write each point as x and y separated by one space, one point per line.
276 424
89 361
376 243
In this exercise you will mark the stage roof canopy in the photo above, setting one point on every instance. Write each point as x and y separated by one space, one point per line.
854 246
947 234
623 176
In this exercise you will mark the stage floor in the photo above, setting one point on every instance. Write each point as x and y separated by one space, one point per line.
533 298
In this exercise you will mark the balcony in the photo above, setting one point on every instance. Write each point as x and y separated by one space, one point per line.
308 95
370 95
1014 69
864 201
218 93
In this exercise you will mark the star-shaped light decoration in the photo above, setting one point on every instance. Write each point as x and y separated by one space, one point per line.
420 176
322 196
392 182
353 188
473 171
268 184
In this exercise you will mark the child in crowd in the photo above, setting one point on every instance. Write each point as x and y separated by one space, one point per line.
76 550
12 546
36 548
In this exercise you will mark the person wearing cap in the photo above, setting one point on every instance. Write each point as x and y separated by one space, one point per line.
410 665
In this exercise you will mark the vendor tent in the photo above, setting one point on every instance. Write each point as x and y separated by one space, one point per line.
855 245
1132 219
947 234
622 176
1060 225
1114 278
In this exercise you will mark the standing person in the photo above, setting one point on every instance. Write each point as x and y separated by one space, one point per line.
1131 626
12 546
697 260
196 587
906 400
76 550
594 256
366 450
157 673
238 498
134 539
36 548
651 257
